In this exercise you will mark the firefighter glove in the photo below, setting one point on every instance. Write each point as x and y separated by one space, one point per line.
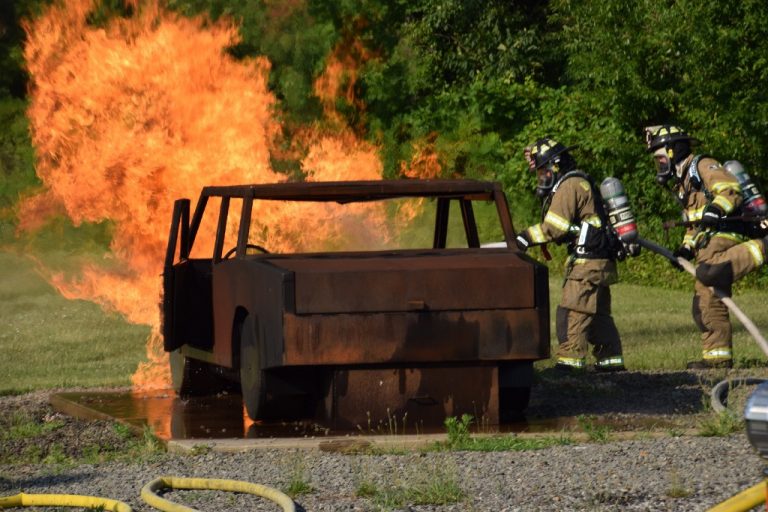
712 215
684 252
631 248
523 242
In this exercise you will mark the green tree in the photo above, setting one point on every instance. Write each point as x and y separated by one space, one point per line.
16 154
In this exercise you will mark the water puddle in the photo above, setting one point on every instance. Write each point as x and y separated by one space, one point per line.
223 417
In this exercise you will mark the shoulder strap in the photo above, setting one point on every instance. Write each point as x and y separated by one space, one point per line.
571 174
695 178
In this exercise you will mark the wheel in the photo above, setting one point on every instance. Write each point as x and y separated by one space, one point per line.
192 377
251 374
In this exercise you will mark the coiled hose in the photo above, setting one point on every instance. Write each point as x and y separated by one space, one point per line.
719 394
149 491
150 496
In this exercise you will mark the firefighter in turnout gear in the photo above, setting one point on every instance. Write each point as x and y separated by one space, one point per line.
573 214
724 247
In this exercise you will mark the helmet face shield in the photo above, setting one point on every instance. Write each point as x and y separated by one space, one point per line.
545 179
664 166
670 146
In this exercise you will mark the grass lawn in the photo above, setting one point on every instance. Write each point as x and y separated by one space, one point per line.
48 341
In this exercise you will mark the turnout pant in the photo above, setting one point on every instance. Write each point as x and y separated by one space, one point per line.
723 261
584 318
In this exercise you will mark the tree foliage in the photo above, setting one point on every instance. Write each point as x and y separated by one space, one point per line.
16 160
477 81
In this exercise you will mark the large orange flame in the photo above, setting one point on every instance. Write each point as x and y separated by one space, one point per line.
129 116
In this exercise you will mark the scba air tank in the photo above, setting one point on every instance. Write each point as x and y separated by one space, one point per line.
619 212
753 200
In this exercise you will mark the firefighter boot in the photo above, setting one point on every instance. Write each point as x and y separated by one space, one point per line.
610 364
569 368
710 364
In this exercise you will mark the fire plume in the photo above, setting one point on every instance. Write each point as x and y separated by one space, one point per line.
132 114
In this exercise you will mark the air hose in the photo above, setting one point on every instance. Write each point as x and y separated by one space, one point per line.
149 495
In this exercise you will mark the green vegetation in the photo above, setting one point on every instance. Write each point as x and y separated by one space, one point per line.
22 426
596 433
28 440
721 424
460 438
49 341
458 430
504 443
677 486
419 484
298 481
297 487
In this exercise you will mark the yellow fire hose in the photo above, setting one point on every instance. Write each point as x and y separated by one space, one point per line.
745 500
149 495
63 500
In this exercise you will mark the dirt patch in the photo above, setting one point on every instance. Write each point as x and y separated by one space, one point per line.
32 431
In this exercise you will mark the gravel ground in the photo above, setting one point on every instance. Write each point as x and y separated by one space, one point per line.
644 465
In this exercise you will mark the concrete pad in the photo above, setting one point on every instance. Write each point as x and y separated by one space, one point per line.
342 444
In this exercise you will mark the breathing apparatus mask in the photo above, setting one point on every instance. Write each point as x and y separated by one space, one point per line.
670 146
550 159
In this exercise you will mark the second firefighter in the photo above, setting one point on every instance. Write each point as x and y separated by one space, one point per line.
724 245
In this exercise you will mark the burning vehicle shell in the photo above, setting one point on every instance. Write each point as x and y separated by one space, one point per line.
356 336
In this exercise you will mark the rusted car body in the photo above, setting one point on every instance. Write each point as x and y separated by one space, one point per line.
357 337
